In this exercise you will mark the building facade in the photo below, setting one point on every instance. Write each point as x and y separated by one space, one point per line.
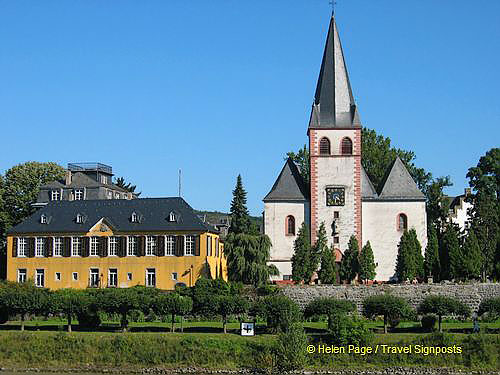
156 242
341 194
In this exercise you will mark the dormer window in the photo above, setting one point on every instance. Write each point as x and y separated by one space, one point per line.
134 218
79 218
78 194
43 219
171 217
55 195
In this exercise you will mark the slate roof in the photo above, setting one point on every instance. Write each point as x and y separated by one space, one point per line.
80 180
334 104
367 189
399 185
289 185
153 214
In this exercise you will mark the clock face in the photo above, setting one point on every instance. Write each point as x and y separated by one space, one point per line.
335 196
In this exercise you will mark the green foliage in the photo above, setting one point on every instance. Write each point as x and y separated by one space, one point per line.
304 259
391 307
367 263
345 330
437 203
71 302
450 254
349 266
327 272
301 158
291 349
120 182
432 264
471 257
240 220
442 305
172 304
409 262
205 291
247 256
279 311
331 307
230 305
428 322
490 306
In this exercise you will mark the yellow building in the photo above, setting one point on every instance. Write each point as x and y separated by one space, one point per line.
157 242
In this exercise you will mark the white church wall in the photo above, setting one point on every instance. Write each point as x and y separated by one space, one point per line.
380 227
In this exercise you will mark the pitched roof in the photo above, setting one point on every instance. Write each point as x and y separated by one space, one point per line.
399 185
289 185
367 189
80 180
153 213
334 104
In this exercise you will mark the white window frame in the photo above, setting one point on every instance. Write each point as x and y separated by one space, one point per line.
110 194
74 276
171 216
117 195
76 246
39 247
150 272
134 218
43 219
22 246
130 276
151 245
79 218
115 274
22 275
55 276
112 246
91 273
58 243
132 246
78 194
55 195
189 250
169 245
209 246
39 277
175 276
94 246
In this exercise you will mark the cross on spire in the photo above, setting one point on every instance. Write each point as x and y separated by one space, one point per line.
333 3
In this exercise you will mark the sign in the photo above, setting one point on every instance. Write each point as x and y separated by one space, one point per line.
247 329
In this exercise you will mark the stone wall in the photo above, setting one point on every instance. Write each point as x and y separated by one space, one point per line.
470 294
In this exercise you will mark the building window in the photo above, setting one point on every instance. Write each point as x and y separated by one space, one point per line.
110 194
290 225
189 245
134 218
22 246
55 195
174 275
43 219
94 278
402 222
40 278
104 179
346 147
58 276
324 146
117 195
335 240
132 246
150 277
75 276
21 275
169 245
76 246
171 216
78 194
336 214
217 247
113 246
94 246
129 276
209 246
151 245
79 218
287 277
58 246
39 247
113 277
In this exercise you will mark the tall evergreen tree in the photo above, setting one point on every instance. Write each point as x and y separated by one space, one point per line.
367 263
327 272
349 266
406 261
303 262
431 263
450 254
472 257
417 254
240 220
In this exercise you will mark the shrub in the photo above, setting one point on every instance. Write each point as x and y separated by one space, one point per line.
442 305
347 330
172 304
230 305
428 322
89 320
279 311
267 290
291 348
4 316
328 306
490 306
391 307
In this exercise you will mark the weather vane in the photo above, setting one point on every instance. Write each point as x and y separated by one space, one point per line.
333 3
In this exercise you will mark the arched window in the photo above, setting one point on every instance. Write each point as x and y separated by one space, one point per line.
324 146
346 147
290 225
402 222
134 218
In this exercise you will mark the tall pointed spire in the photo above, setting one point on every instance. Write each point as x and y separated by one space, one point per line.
334 104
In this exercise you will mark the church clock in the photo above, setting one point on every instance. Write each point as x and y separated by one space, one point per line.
335 196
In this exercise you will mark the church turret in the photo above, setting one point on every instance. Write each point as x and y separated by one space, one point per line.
335 148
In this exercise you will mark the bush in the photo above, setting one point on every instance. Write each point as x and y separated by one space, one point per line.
391 307
279 311
490 306
428 322
267 290
89 320
442 305
328 306
4 316
291 349
346 330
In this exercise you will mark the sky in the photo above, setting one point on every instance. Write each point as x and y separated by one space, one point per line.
220 88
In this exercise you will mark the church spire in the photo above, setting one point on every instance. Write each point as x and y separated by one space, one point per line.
333 102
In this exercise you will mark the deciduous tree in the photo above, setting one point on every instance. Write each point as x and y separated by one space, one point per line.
391 307
442 305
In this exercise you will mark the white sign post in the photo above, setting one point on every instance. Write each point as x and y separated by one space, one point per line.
247 329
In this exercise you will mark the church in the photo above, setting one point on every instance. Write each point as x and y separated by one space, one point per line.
341 194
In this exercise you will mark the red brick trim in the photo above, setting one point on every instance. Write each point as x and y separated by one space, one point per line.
357 188
313 152
340 146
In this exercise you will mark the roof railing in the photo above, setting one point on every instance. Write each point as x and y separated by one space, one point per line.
79 167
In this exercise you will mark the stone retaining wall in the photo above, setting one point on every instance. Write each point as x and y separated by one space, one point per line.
470 294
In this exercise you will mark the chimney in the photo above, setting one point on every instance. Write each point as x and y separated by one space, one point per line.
68 177
467 192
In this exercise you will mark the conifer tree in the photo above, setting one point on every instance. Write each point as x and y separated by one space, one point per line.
303 263
417 254
472 257
451 256
349 266
240 220
326 273
367 263
431 263
405 265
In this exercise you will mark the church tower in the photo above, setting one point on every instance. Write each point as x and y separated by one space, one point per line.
335 150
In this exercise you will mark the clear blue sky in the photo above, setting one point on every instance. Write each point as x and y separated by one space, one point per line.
218 88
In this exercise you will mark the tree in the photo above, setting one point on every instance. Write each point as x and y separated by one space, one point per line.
120 182
290 353
472 258
328 306
442 305
450 254
367 263
172 304
205 291
70 302
431 262
391 307
437 203
484 179
327 272
240 220
409 261
301 158
279 311
490 306
304 260
349 266
230 305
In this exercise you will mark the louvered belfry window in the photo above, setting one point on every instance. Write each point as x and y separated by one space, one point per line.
324 146
346 146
